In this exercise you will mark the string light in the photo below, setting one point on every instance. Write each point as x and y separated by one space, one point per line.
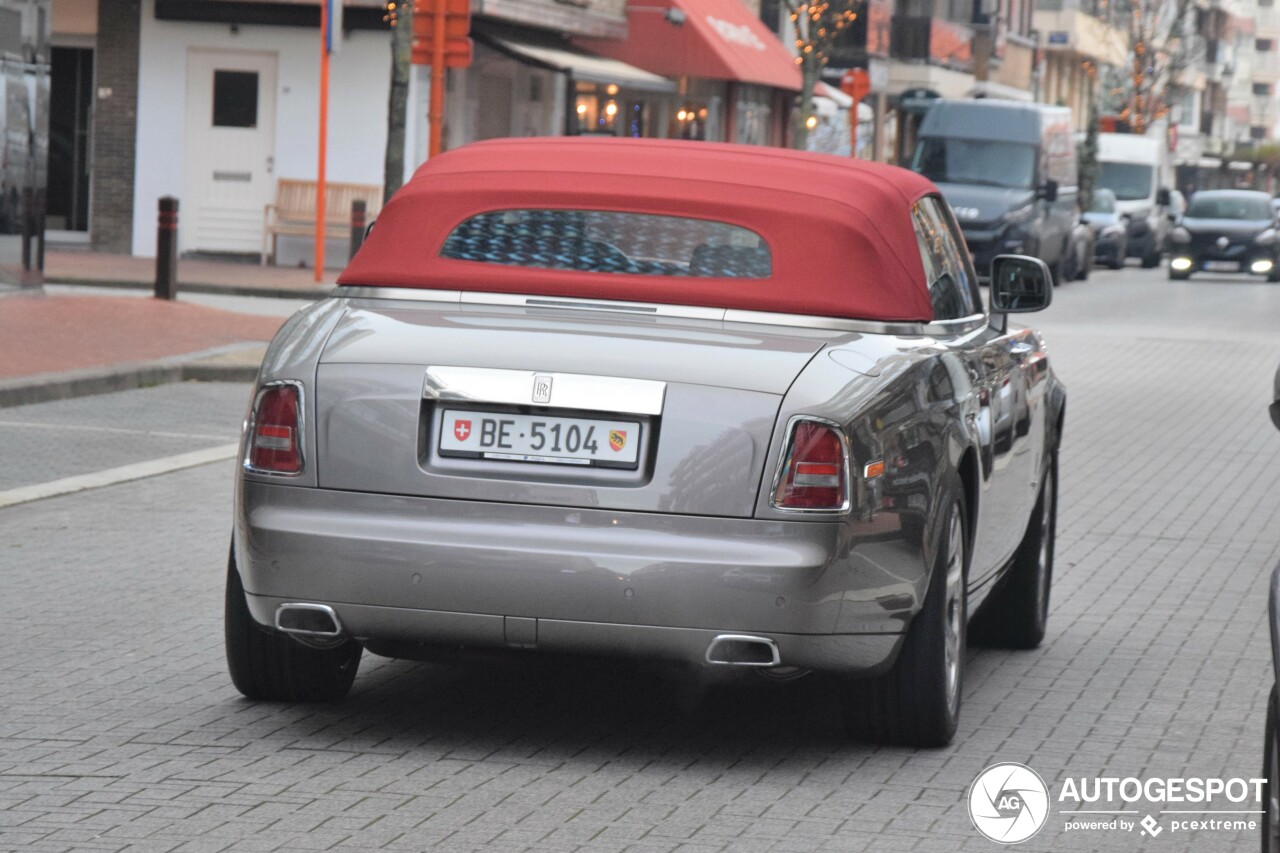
393 9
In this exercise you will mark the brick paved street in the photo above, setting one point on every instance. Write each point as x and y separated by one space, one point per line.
119 728
38 331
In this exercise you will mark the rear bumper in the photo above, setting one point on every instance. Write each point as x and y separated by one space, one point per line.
408 570
403 628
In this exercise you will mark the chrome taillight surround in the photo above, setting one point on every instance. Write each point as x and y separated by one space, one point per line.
785 461
251 428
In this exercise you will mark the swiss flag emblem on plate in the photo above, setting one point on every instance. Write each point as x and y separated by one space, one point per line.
462 430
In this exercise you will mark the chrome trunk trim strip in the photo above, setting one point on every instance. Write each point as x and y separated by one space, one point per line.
541 388
649 309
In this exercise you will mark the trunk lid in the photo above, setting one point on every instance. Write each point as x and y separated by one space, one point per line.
386 411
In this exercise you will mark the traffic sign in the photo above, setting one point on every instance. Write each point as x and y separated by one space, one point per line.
457 24
856 83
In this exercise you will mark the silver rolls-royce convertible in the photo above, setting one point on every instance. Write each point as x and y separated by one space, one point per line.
731 406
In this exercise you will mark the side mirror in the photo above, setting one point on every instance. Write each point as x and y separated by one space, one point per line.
1048 191
1019 285
1163 198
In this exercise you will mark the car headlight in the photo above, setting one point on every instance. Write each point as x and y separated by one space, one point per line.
1180 235
1266 238
1019 215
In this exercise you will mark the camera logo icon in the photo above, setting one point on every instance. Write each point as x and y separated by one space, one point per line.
1008 803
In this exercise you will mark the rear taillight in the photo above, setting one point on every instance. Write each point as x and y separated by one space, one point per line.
275 433
814 473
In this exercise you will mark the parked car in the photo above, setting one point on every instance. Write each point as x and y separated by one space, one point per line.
1271 737
723 405
1008 169
1079 261
1111 243
1137 169
1226 231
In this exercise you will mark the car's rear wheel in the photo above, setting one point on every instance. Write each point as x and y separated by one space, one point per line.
917 703
1271 772
1274 275
1179 275
1016 614
272 666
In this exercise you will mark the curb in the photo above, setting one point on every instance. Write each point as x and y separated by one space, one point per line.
66 385
315 292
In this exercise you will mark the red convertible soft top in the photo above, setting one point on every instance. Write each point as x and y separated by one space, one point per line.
839 231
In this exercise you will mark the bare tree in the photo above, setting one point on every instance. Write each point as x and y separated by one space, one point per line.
399 15
816 24
1162 44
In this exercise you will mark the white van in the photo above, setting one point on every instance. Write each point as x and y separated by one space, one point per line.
1136 169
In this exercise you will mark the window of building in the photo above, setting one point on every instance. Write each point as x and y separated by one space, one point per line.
1257 133
1263 45
235 98
1262 88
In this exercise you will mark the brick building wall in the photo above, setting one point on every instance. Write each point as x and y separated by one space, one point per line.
115 124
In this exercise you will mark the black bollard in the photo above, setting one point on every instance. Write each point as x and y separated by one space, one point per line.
357 226
167 249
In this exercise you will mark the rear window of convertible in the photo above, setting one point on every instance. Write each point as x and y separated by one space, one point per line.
610 242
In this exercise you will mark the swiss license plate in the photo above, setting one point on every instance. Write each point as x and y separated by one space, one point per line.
1222 266
510 437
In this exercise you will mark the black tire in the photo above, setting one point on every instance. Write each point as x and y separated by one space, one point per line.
1071 264
1016 614
1086 261
1056 271
1117 263
917 703
1274 275
1174 275
271 666
1151 259
1271 772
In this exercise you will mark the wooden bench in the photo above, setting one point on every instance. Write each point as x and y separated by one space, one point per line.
294 210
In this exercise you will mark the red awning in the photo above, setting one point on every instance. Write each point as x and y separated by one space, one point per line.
718 40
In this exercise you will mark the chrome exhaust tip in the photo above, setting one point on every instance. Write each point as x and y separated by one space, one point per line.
743 650
308 620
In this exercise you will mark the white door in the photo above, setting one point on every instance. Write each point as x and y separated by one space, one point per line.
230 147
